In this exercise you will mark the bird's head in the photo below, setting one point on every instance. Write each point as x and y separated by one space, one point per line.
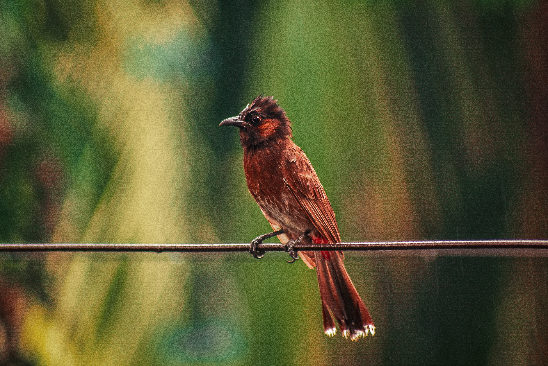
261 122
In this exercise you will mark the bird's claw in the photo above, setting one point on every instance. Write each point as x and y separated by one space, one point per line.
254 248
289 248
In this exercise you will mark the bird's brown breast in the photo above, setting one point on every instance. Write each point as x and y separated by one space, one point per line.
267 171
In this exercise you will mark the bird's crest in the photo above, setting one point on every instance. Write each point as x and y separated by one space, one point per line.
267 107
265 121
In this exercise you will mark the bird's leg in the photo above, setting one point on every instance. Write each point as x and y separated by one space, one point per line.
254 248
290 244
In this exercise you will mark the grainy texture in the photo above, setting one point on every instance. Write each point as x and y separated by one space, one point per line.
284 184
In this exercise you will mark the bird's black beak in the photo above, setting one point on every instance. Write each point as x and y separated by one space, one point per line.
232 121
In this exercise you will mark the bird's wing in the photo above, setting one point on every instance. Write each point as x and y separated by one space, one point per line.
302 181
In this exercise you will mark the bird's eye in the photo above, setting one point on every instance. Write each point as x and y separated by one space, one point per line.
255 119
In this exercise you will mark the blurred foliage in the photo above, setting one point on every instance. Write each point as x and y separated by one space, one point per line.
424 120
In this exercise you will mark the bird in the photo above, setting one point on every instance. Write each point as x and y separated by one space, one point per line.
288 191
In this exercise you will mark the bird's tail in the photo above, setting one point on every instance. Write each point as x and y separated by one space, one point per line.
340 300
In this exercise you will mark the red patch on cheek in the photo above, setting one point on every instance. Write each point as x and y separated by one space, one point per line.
321 240
268 127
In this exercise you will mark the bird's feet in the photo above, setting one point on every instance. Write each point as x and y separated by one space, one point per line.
289 247
254 247
291 251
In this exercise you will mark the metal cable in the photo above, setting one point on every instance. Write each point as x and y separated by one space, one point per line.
244 247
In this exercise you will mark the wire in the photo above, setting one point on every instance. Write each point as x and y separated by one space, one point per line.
269 247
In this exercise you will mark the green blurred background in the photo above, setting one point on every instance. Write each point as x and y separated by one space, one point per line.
424 120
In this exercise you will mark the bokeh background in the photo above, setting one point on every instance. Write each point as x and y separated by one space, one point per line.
424 120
